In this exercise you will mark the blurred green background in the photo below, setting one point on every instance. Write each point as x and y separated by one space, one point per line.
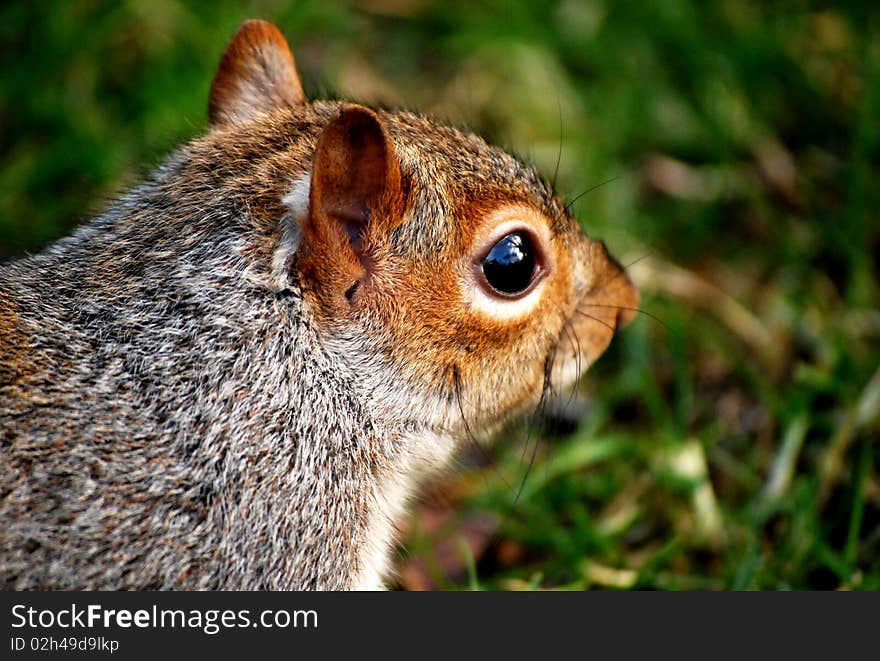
732 149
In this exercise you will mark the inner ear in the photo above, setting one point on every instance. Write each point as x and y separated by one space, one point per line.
257 74
356 188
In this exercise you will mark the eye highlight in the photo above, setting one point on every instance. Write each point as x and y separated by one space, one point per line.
511 264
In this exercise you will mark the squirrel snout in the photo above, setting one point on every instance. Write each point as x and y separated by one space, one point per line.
613 287
609 303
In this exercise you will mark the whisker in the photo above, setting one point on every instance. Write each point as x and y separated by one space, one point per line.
589 190
621 274
546 386
577 344
601 321
559 153
548 371
621 307
456 381
637 260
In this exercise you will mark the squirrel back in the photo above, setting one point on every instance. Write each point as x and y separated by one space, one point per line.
237 375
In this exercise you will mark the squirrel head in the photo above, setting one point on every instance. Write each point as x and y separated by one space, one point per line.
446 273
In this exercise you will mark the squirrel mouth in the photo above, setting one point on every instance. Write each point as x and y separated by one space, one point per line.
584 337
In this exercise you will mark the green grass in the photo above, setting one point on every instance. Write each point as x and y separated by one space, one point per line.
730 440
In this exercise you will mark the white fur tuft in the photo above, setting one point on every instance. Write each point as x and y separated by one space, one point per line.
297 201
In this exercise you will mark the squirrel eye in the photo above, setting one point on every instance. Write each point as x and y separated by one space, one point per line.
509 267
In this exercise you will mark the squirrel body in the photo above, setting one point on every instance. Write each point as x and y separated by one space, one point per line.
236 376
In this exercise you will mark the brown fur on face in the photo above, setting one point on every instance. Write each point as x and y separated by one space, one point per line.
490 368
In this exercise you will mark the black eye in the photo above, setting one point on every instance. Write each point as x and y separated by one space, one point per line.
510 265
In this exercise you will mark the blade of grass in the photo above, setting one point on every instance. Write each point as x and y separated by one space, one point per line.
851 550
782 471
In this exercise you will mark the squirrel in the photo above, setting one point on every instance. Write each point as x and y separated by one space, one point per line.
238 375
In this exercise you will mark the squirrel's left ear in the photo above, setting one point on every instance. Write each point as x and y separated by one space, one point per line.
257 74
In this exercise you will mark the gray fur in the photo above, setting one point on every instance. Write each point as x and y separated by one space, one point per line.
171 417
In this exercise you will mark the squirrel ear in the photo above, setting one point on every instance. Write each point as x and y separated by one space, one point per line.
355 200
257 74
356 187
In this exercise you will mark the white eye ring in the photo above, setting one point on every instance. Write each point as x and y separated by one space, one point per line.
483 296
